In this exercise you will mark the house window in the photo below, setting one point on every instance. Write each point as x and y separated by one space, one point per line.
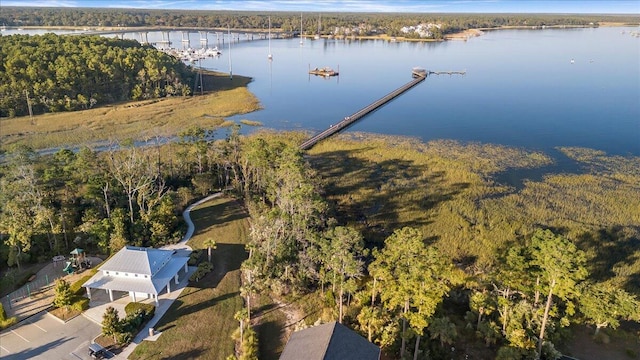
126 274
146 276
106 273
136 275
117 273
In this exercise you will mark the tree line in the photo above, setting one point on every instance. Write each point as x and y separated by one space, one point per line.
51 73
389 23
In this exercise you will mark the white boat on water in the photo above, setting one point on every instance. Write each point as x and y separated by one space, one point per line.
212 52
269 56
301 36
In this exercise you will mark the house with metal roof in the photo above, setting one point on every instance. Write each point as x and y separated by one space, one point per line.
142 272
331 341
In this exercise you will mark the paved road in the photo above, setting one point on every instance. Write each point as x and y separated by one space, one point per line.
44 337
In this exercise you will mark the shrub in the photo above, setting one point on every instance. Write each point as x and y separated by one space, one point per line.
80 304
3 314
194 257
137 315
124 338
203 269
249 345
147 309
8 322
4 322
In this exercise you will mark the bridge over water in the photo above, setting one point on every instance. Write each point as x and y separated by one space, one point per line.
235 34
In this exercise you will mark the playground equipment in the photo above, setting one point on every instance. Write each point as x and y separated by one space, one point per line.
77 262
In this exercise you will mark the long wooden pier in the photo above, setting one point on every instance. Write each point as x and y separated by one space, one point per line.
348 120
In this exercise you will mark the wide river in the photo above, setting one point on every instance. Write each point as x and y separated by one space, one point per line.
537 89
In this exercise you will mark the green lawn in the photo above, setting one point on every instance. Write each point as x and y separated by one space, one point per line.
200 322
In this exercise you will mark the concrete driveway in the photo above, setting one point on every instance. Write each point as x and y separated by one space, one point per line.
42 336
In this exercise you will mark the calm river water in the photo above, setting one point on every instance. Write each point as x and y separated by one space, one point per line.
521 87
537 89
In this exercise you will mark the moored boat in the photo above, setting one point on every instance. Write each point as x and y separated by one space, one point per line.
325 71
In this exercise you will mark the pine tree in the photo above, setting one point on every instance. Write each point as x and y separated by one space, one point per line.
63 295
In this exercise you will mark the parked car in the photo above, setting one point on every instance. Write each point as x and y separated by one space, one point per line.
96 351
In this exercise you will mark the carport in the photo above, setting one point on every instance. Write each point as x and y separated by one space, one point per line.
141 272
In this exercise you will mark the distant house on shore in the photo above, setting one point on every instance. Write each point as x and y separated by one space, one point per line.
142 272
331 341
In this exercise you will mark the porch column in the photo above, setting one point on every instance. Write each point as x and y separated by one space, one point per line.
186 267
156 298
133 295
89 293
110 294
176 279
169 287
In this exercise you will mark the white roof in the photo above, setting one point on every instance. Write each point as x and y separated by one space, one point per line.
140 261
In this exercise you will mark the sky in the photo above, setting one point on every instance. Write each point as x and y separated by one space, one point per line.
422 6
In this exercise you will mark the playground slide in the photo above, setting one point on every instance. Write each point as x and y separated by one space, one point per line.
68 269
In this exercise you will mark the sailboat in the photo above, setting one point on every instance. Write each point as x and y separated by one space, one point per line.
301 37
270 57
230 69
317 37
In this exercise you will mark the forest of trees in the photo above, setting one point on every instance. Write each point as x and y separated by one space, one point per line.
287 21
51 73
399 293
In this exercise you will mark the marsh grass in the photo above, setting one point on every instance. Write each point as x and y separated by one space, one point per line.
250 122
448 190
138 120
200 322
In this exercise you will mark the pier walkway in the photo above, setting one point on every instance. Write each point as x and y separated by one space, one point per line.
348 120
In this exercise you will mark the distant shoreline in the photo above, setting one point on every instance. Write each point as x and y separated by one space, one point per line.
462 35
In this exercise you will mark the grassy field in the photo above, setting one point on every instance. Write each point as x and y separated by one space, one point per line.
139 120
200 322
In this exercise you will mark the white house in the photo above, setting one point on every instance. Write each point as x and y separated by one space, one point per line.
142 272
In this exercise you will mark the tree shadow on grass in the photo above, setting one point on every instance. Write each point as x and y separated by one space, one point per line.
217 214
178 308
215 81
269 336
226 258
613 248
385 195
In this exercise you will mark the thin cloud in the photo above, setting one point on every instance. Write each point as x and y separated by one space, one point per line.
405 6
43 3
